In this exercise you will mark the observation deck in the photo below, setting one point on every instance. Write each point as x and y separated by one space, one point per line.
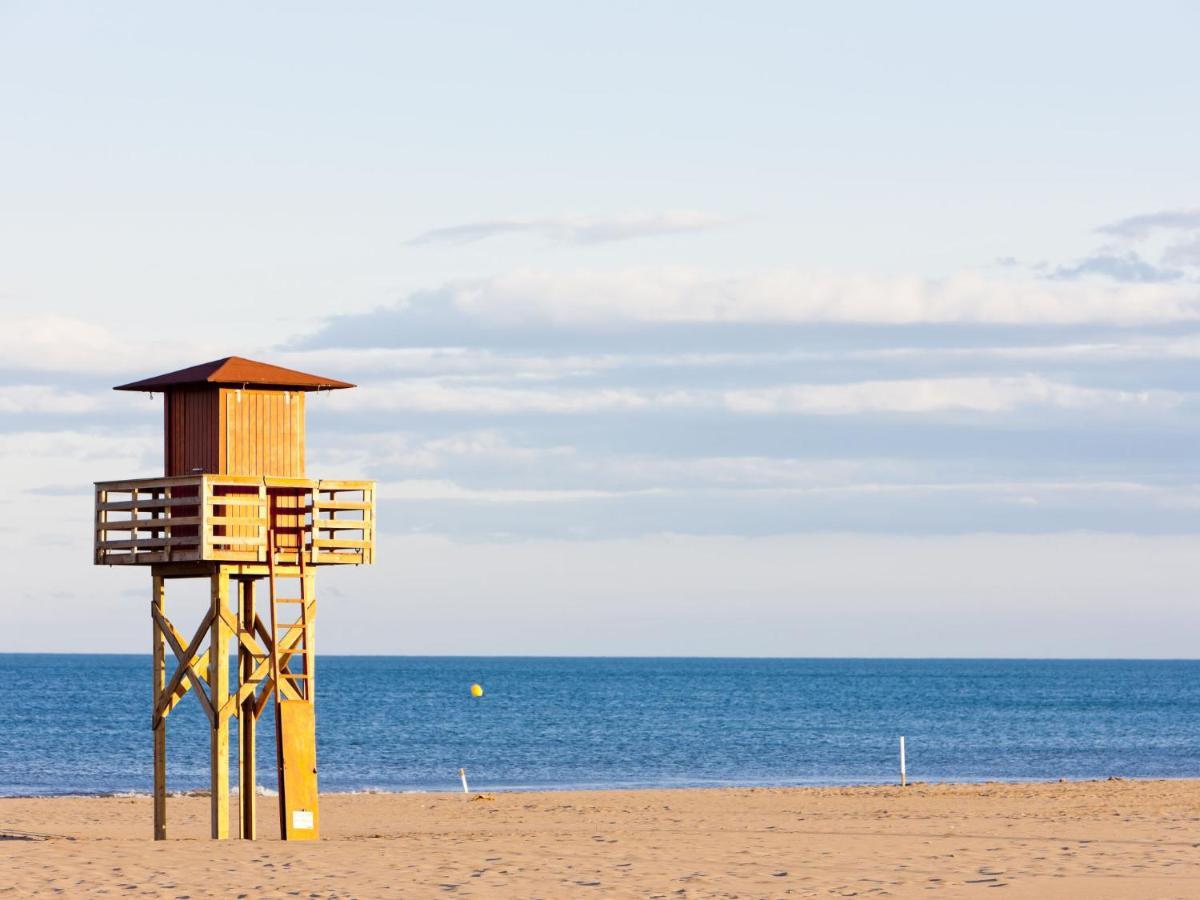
227 518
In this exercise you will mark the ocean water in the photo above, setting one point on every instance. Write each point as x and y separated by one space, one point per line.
80 723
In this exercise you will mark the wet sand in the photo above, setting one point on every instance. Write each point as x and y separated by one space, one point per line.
1103 839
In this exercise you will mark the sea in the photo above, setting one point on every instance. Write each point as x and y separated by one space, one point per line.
80 724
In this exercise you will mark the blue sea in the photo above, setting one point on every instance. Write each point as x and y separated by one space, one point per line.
80 724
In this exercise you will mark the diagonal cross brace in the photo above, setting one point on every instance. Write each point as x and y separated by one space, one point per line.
186 667
260 674
199 665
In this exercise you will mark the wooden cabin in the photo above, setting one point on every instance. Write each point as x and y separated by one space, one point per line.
234 416
233 462
235 505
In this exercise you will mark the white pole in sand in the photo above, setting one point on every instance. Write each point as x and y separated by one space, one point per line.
462 773
903 773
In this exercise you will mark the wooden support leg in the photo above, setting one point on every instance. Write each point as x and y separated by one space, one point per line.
295 721
159 648
310 645
218 682
246 719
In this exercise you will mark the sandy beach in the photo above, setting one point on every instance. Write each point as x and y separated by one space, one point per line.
1092 839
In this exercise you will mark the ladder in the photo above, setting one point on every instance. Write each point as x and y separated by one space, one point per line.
290 637
292 640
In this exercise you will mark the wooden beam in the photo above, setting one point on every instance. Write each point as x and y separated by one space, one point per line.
247 721
218 685
159 724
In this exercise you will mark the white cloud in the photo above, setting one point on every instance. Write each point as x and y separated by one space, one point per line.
66 344
434 395
683 295
1175 496
37 398
362 453
575 229
437 489
480 364
1141 226
904 396
49 476
928 395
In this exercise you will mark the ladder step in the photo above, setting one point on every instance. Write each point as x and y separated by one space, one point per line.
289 600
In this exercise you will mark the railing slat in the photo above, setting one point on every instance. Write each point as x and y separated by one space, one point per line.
147 524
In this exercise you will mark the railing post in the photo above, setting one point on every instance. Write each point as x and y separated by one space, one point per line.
308 513
133 515
206 526
369 524
264 513
167 511
101 521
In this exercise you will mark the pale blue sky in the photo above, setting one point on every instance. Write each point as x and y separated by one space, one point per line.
790 329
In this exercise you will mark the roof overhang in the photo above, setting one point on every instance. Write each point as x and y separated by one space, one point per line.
236 371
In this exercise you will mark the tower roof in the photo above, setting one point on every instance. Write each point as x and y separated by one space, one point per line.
236 370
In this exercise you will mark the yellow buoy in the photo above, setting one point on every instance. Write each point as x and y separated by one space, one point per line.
476 690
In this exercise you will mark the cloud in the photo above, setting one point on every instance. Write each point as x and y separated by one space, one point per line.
377 454
425 489
667 295
1183 253
1141 226
934 395
1126 267
82 489
36 398
370 364
907 397
65 344
1175 233
574 229
669 307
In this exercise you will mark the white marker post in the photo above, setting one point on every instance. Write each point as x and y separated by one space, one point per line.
903 773
462 773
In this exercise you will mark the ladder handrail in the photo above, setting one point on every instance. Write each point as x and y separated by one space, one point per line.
303 644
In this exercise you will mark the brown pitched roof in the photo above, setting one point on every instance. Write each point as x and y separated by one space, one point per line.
234 370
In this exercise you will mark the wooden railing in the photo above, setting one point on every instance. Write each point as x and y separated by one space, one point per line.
225 518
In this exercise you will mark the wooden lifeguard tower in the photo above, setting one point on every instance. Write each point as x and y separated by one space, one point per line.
236 507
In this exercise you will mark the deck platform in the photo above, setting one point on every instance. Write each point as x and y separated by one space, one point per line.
225 519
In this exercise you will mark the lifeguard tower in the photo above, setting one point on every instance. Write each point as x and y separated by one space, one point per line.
236 507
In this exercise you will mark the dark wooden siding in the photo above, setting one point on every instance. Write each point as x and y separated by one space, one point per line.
193 427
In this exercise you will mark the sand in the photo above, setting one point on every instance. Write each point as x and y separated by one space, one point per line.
1093 839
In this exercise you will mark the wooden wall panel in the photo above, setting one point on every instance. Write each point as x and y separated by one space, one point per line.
225 431
191 424
263 433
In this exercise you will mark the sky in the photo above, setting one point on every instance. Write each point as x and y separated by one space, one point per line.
755 329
